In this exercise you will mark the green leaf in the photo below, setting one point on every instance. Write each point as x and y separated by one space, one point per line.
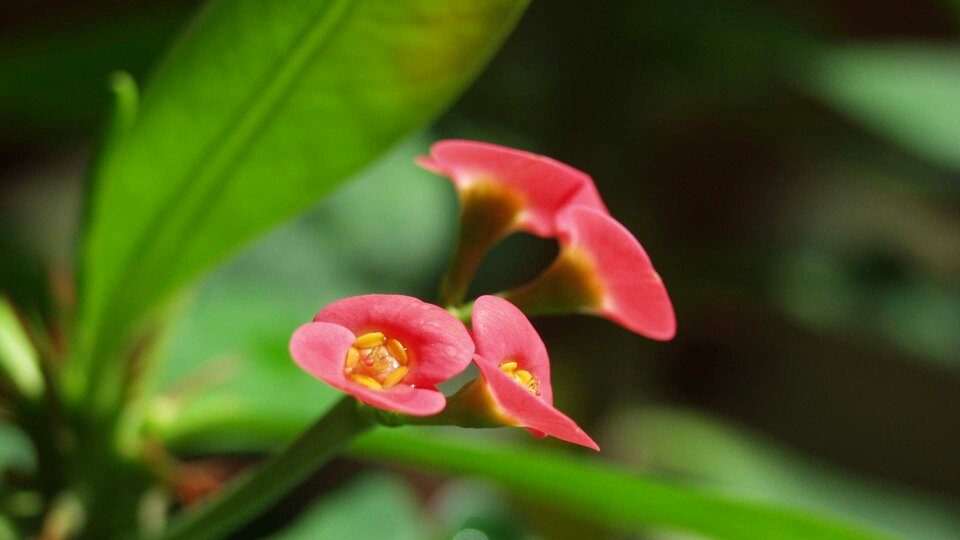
572 485
908 93
260 109
374 506
600 493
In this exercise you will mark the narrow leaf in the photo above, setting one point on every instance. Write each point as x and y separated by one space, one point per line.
597 493
19 362
602 493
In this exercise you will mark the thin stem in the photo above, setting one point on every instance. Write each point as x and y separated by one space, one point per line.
488 213
466 260
251 494
463 312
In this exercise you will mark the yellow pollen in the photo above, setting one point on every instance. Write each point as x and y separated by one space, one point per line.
376 362
353 357
367 341
508 367
523 377
397 350
395 377
369 382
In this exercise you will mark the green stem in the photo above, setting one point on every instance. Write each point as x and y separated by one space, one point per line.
456 281
488 214
246 498
463 312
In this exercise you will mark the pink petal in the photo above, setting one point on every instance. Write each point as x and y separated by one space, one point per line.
439 345
320 349
433 166
635 296
501 332
529 411
544 184
415 401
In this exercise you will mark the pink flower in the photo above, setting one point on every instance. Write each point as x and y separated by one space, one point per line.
530 189
514 364
389 351
601 270
501 191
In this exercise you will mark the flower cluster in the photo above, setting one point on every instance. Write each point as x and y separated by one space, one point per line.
601 268
391 351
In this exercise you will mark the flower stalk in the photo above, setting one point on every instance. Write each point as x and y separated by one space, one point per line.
488 214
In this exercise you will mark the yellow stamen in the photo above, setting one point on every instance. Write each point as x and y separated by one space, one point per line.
376 362
523 376
369 382
353 357
367 341
395 377
396 349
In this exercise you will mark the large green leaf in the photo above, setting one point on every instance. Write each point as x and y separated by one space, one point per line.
260 109
606 495
907 92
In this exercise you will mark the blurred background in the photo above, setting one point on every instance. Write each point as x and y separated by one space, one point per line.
792 168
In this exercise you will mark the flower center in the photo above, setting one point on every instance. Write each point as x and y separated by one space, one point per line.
523 377
376 361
